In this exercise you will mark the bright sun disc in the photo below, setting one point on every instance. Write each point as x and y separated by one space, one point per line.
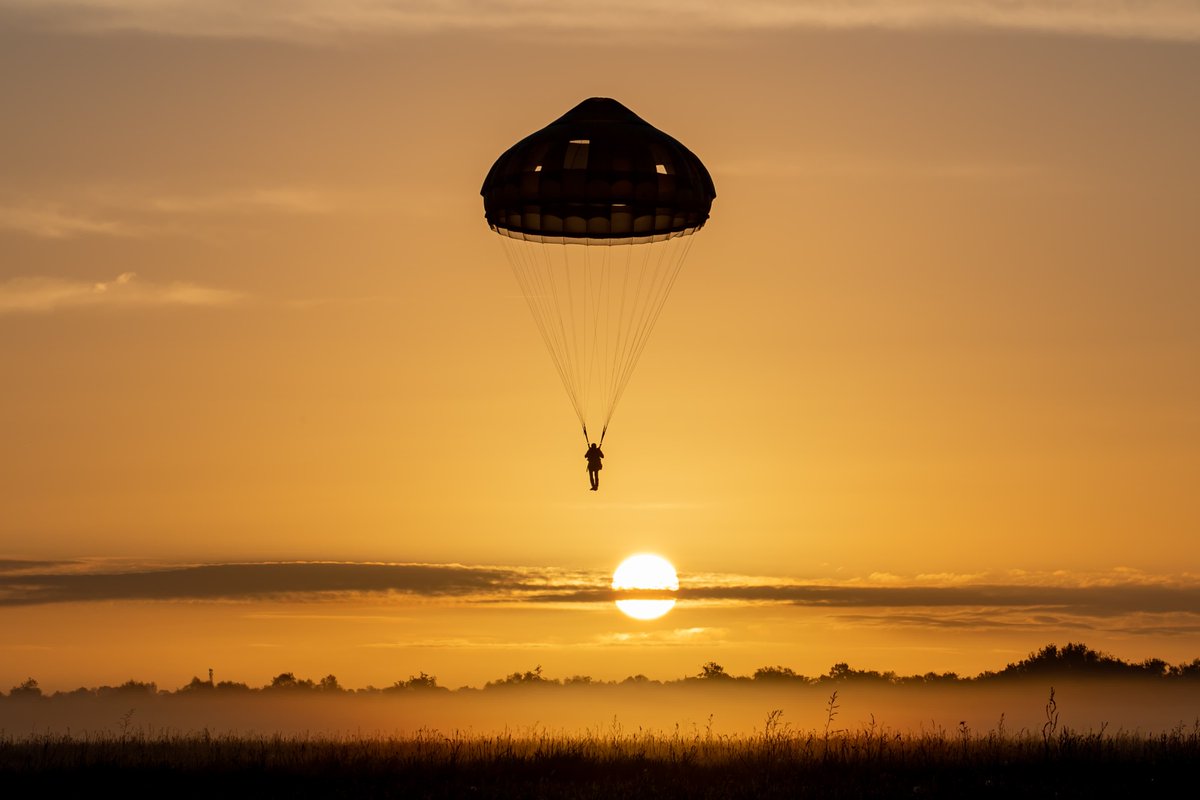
646 572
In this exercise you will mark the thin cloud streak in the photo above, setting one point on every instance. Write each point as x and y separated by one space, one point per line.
942 605
54 222
40 295
17 565
1177 623
250 201
129 212
324 20
255 582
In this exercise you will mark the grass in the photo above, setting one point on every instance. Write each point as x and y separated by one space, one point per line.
774 762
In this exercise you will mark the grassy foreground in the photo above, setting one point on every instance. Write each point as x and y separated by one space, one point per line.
776 762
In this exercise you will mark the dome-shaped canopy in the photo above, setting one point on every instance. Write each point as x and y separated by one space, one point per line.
599 172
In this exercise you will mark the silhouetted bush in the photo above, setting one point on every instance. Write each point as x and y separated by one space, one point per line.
26 689
531 677
1080 661
417 683
712 671
778 673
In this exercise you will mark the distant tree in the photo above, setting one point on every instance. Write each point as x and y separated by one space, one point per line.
425 681
530 677
1154 668
1190 671
232 686
416 683
712 671
288 681
638 679
329 684
198 685
1079 660
28 688
580 680
841 671
777 673
284 680
930 677
129 687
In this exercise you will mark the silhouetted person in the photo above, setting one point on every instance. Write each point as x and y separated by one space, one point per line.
594 455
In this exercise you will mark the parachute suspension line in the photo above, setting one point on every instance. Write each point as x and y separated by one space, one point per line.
647 268
533 296
596 319
667 267
577 326
570 365
525 268
626 324
541 299
587 321
611 366
673 265
643 297
596 297
549 304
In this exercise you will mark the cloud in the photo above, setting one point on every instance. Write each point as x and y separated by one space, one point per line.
1132 622
32 295
309 20
1099 601
16 565
474 643
278 200
138 212
256 581
1172 605
54 222
663 638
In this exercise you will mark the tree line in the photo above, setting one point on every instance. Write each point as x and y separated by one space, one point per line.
1070 661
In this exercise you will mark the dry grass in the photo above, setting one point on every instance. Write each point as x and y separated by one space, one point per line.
774 762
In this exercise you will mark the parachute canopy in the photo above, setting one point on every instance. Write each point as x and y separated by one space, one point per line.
595 211
597 172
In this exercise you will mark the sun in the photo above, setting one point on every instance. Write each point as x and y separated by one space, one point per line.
647 573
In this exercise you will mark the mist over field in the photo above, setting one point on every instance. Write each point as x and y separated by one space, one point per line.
694 708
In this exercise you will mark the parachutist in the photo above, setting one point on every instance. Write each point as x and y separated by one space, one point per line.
594 455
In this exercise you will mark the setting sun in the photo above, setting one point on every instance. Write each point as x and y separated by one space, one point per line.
645 572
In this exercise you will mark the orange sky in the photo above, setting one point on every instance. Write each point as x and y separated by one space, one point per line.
941 330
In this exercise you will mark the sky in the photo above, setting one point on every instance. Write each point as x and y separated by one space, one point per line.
924 396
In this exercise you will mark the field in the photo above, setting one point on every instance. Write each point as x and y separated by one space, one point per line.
1090 733
775 762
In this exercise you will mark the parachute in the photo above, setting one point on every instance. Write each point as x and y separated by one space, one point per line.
596 212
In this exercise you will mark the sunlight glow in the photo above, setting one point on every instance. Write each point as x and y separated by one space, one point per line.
645 571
